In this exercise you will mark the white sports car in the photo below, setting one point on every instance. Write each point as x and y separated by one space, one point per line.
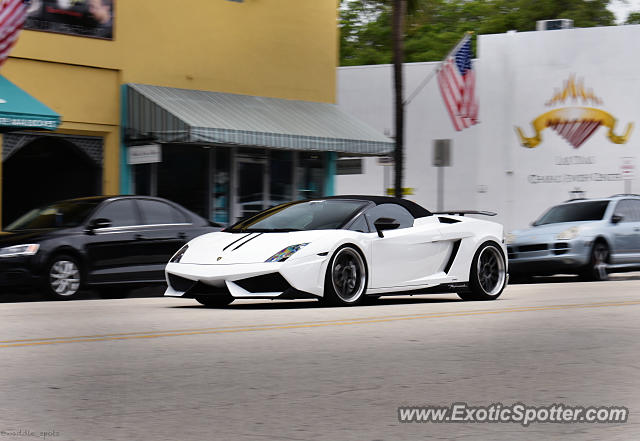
343 250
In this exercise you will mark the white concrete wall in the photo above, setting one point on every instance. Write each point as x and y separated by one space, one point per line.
366 92
517 74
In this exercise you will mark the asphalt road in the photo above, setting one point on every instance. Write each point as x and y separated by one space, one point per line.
169 369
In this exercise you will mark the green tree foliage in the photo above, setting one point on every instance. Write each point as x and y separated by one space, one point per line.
633 18
434 26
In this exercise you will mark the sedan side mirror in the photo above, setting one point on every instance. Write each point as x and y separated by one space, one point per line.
96 224
385 223
616 218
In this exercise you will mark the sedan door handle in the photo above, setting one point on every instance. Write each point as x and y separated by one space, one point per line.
138 237
182 235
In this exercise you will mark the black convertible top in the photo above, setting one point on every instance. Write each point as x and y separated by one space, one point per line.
414 209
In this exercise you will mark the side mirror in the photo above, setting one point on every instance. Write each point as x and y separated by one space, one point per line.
616 218
96 224
385 223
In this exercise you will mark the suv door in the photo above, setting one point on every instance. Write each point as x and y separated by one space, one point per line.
627 232
164 231
113 252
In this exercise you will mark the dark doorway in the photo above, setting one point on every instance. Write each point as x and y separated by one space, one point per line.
47 169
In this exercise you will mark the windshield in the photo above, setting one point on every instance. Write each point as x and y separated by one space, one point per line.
575 212
302 216
59 215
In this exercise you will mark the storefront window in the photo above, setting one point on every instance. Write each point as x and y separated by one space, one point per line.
221 188
310 174
251 167
281 177
183 177
224 184
143 179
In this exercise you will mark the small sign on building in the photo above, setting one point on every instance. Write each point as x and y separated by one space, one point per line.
628 167
144 154
441 152
385 160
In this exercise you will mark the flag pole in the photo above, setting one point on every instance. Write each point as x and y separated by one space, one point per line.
435 71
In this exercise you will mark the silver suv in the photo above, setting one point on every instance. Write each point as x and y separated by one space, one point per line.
590 237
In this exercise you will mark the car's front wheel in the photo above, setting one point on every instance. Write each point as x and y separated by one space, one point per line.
217 300
63 278
113 293
597 267
488 275
346 278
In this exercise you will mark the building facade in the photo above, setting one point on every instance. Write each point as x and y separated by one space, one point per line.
558 120
179 102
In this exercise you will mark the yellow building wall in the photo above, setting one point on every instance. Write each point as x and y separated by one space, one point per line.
86 97
276 48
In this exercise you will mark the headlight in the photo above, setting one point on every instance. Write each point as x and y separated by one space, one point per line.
284 254
568 234
20 250
510 238
177 256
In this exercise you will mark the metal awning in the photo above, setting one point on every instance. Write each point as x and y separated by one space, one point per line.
167 114
19 110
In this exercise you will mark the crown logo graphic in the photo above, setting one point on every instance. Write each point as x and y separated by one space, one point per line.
574 91
575 123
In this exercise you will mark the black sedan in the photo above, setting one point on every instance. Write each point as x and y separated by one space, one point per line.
110 243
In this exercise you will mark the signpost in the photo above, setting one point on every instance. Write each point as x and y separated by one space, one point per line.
441 159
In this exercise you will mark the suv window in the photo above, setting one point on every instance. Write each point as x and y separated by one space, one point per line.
574 212
392 211
122 213
629 209
158 213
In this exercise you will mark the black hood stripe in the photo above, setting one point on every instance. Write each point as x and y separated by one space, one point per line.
246 241
237 240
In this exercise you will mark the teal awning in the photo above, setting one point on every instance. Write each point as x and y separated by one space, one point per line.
19 110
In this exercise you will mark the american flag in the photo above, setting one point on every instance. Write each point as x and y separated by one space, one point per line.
12 16
457 81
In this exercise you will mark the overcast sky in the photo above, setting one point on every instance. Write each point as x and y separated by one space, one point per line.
621 8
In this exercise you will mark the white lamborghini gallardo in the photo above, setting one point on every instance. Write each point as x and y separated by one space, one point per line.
343 250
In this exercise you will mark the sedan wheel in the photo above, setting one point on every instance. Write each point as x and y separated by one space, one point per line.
64 278
346 279
488 274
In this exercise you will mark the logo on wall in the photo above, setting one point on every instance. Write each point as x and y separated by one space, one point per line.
575 123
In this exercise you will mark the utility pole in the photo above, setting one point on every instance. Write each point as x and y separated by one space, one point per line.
399 12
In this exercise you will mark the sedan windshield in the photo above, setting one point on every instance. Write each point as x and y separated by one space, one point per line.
302 216
575 212
59 215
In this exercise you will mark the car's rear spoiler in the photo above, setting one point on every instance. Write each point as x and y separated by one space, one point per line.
463 212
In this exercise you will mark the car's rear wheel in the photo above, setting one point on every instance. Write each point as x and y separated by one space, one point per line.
346 278
217 300
488 275
63 278
597 268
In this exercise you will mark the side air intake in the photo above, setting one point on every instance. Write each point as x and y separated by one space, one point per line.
452 257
